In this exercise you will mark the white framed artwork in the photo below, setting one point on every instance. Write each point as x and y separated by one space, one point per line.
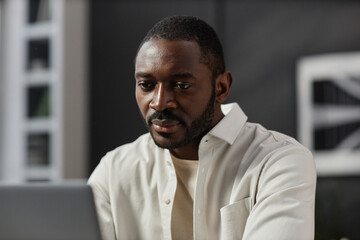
328 98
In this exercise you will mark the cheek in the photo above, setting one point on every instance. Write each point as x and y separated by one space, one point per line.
142 102
197 106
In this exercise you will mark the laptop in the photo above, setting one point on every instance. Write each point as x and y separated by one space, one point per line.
48 212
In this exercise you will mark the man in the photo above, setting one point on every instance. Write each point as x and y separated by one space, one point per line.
202 171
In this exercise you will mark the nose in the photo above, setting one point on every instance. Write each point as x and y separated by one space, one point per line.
163 98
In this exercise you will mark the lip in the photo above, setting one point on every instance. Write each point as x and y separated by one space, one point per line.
165 125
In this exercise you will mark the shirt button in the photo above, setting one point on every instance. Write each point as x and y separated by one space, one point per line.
167 201
168 163
199 211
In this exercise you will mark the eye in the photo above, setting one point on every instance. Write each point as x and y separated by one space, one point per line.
146 86
182 86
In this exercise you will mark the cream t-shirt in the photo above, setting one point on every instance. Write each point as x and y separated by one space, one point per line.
182 215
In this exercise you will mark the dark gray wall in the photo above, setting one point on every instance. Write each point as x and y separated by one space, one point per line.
262 42
337 208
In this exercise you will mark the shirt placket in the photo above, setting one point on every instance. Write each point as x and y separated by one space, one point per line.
205 156
168 199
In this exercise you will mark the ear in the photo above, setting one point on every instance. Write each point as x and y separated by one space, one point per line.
222 86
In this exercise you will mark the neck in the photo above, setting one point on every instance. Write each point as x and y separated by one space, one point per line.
188 152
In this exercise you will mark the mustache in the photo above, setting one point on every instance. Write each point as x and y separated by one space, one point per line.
164 115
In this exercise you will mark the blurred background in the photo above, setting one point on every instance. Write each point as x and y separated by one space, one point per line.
67 84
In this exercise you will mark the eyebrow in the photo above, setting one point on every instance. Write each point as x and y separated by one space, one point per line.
143 75
182 75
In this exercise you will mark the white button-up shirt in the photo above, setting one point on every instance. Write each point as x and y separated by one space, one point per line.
251 184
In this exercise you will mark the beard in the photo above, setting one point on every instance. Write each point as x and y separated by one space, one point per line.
193 133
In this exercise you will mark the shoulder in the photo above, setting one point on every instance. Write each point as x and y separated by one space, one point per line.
140 145
128 160
142 149
285 162
276 154
270 141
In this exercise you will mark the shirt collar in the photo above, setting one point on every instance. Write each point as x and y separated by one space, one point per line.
230 125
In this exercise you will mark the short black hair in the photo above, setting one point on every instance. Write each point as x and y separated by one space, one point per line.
189 28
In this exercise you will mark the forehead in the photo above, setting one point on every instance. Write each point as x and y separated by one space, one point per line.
160 52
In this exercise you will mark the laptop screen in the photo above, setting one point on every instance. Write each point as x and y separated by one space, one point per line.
48 212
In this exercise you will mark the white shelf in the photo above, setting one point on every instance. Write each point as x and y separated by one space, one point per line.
57 139
41 173
39 77
39 30
40 125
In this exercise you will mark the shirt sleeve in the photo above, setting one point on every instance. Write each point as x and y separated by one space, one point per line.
285 201
99 182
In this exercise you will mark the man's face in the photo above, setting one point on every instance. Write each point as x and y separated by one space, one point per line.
174 92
